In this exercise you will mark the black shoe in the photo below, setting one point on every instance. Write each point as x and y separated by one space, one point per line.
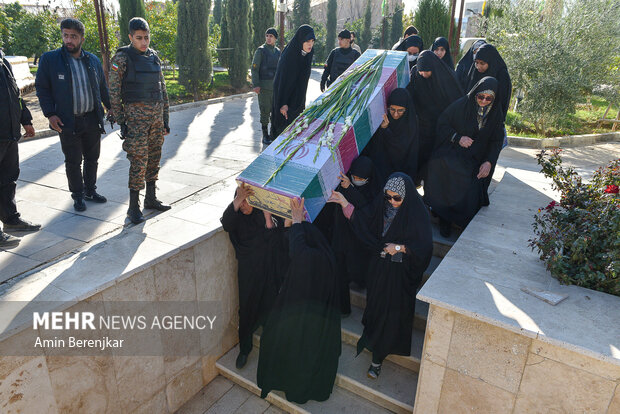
7 241
242 359
151 201
18 224
133 212
266 138
94 196
374 371
79 204
445 227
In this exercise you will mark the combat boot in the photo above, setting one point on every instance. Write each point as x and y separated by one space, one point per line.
151 201
266 138
133 212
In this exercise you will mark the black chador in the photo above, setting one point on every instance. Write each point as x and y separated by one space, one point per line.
258 269
453 189
498 70
352 256
300 344
392 281
291 80
447 58
431 96
411 41
395 148
466 62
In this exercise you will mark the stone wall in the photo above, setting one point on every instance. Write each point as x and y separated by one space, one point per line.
204 271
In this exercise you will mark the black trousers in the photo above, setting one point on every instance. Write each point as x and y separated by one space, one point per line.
83 142
9 172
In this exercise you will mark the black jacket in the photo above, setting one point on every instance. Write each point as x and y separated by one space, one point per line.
13 111
54 86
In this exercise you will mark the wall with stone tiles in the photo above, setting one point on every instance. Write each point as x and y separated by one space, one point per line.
48 384
469 366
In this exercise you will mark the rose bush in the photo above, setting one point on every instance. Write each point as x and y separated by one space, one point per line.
579 236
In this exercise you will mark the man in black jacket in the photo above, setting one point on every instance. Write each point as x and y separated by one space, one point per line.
13 114
339 59
71 87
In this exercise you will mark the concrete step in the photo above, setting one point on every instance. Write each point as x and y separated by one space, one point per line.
358 298
341 401
442 245
352 330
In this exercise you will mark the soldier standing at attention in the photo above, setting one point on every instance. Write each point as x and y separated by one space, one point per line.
339 59
264 67
140 106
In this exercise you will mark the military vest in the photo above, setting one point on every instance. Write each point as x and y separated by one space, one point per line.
268 63
341 62
141 82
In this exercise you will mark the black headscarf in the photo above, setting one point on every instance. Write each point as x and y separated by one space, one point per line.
363 167
443 42
413 40
498 70
442 86
462 68
291 80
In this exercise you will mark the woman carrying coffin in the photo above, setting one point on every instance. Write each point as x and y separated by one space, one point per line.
433 87
291 80
441 48
413 45
466 62
394 147
397 229
470 134
360 187
300 344
254 235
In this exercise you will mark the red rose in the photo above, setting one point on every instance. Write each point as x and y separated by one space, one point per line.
551 205
612 189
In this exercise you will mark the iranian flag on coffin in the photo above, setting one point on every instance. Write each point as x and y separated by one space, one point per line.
307 158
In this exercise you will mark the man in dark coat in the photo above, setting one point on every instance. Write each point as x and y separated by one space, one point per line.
71 88
264 65
339 59
254 235
13 115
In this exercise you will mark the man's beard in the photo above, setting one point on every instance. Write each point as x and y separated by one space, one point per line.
74 49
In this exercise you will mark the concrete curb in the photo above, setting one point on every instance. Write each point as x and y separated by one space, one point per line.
46 133
565 142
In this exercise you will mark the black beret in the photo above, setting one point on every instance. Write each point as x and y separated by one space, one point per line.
272 31
345 34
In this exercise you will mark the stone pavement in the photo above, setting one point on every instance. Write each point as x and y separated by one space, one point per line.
208 146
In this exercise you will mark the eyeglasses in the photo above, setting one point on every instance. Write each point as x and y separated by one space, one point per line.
397 111
396 198
487 98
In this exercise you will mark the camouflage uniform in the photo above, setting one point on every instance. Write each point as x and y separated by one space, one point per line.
146 123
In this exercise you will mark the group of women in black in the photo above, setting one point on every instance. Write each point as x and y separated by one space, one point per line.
445 130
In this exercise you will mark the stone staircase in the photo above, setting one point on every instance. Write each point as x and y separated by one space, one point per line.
393 392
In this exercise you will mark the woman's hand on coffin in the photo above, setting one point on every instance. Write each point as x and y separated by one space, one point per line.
485 169
465 142
338 198
269 223
344 180
385 122
297 210
243 192
284 111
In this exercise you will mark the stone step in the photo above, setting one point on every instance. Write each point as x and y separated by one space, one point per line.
341 401
358 298
352 330
442 245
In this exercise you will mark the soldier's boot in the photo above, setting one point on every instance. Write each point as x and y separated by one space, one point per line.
133 212
266 138
151 201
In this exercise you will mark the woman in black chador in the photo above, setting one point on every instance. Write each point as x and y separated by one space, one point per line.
394 147
397 230
470 133
466 62
301 344
254 235
291 80
488 62
441 48
360 187
413 45
433 87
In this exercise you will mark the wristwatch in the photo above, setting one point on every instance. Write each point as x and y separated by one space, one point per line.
397 248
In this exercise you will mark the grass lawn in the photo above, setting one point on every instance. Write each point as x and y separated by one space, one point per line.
219 87
583 121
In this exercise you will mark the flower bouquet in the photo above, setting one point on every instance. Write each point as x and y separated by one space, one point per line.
306 159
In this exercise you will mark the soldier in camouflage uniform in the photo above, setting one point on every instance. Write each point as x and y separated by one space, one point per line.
140 106
264 67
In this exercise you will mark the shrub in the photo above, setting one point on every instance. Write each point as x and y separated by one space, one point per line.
579 237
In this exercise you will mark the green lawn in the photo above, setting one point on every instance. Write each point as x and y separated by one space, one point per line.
219 87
